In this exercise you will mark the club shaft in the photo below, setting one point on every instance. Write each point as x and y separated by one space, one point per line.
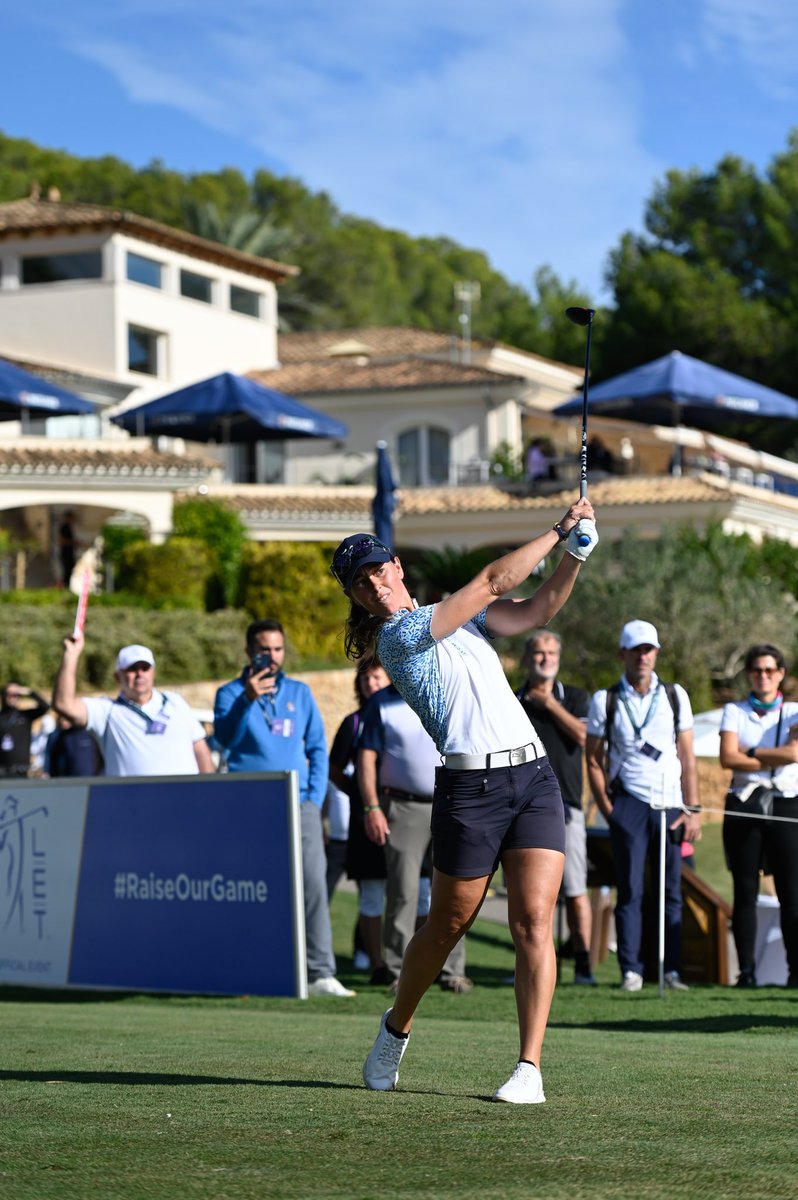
583 453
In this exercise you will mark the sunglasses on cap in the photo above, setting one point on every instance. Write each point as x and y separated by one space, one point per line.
347 558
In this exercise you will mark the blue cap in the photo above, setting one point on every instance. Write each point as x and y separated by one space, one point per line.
355 552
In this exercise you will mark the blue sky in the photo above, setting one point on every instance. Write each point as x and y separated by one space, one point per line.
534 130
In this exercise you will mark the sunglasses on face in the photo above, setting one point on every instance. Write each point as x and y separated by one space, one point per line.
345 559
764 670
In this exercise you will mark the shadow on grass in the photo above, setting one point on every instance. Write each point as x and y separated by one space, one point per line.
150 1079
730 1023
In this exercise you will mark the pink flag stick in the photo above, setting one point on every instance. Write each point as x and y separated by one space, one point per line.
83 604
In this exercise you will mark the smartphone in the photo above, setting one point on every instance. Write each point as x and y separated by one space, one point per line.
261 662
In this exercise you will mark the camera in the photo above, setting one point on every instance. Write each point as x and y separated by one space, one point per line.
261 662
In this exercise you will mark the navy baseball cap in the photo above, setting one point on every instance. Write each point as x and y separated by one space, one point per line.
353 553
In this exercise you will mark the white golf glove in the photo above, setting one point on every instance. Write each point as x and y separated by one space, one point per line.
582 539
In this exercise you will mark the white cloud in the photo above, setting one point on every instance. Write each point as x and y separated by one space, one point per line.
510 127
763 34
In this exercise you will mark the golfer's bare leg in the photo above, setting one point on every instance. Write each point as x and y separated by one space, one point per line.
455 903
533 880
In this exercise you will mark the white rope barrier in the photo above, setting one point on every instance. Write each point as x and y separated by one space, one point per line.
749 816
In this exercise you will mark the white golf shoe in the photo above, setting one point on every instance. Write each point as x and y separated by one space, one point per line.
632 981
329 986
525 1086
381 1068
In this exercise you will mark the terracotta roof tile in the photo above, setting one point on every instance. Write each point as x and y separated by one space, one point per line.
262 502
385 342
347 375
390 341
125 460
31 216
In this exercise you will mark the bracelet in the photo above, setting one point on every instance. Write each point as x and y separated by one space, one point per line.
370 807
562 534
693 809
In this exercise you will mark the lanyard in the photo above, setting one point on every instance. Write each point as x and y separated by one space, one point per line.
270 700
652 708
136 709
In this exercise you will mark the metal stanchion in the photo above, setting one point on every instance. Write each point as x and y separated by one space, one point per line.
659 803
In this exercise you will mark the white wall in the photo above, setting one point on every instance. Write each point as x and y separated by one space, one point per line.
83 325
477 419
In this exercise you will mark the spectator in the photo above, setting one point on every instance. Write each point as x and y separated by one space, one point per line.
396 765
71 751
537 462
67 546
759 744
558 712
16 728
269 722
364 861
639 756
143 731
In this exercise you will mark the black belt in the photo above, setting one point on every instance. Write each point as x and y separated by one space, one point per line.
398 794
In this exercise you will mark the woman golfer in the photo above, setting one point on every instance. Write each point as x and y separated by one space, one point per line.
496 798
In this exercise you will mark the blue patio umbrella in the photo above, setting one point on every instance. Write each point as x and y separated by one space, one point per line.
228 408
680 390
677 385
384 502
22 393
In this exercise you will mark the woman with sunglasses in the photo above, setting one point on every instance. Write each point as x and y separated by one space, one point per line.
759 745
496 798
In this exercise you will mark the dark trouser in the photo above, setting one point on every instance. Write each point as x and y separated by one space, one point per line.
635 832
749 844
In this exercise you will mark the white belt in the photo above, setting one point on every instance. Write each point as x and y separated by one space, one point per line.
499 758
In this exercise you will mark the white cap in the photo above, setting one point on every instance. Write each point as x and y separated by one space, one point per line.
129 655
638 633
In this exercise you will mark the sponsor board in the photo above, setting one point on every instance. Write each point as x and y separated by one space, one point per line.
185 884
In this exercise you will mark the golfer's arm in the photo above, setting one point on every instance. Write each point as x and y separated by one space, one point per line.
508 617
492 582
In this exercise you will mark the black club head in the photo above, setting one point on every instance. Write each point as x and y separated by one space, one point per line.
580 316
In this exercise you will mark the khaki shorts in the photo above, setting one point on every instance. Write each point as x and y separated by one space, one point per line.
574 879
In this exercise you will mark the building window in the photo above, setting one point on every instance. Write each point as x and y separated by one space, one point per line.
242 300
142 350
423 456
144 270
196 287
53 268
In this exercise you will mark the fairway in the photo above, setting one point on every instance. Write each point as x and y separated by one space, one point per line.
131 1096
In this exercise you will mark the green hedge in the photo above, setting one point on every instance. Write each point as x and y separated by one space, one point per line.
174 575
291 582
187 646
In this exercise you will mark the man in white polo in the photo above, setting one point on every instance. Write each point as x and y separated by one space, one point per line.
143 731
640 759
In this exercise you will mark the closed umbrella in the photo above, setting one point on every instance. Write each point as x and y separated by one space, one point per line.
384 502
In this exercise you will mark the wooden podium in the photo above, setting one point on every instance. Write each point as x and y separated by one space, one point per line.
706 917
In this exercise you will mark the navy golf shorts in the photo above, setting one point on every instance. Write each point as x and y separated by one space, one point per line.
477 815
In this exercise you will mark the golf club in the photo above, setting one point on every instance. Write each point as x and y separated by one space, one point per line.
583 316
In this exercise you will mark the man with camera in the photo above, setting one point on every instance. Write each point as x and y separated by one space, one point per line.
266 721
640 760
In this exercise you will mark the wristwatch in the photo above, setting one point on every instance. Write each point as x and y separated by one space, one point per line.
562 534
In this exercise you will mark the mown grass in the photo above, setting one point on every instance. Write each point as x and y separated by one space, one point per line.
148 1097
